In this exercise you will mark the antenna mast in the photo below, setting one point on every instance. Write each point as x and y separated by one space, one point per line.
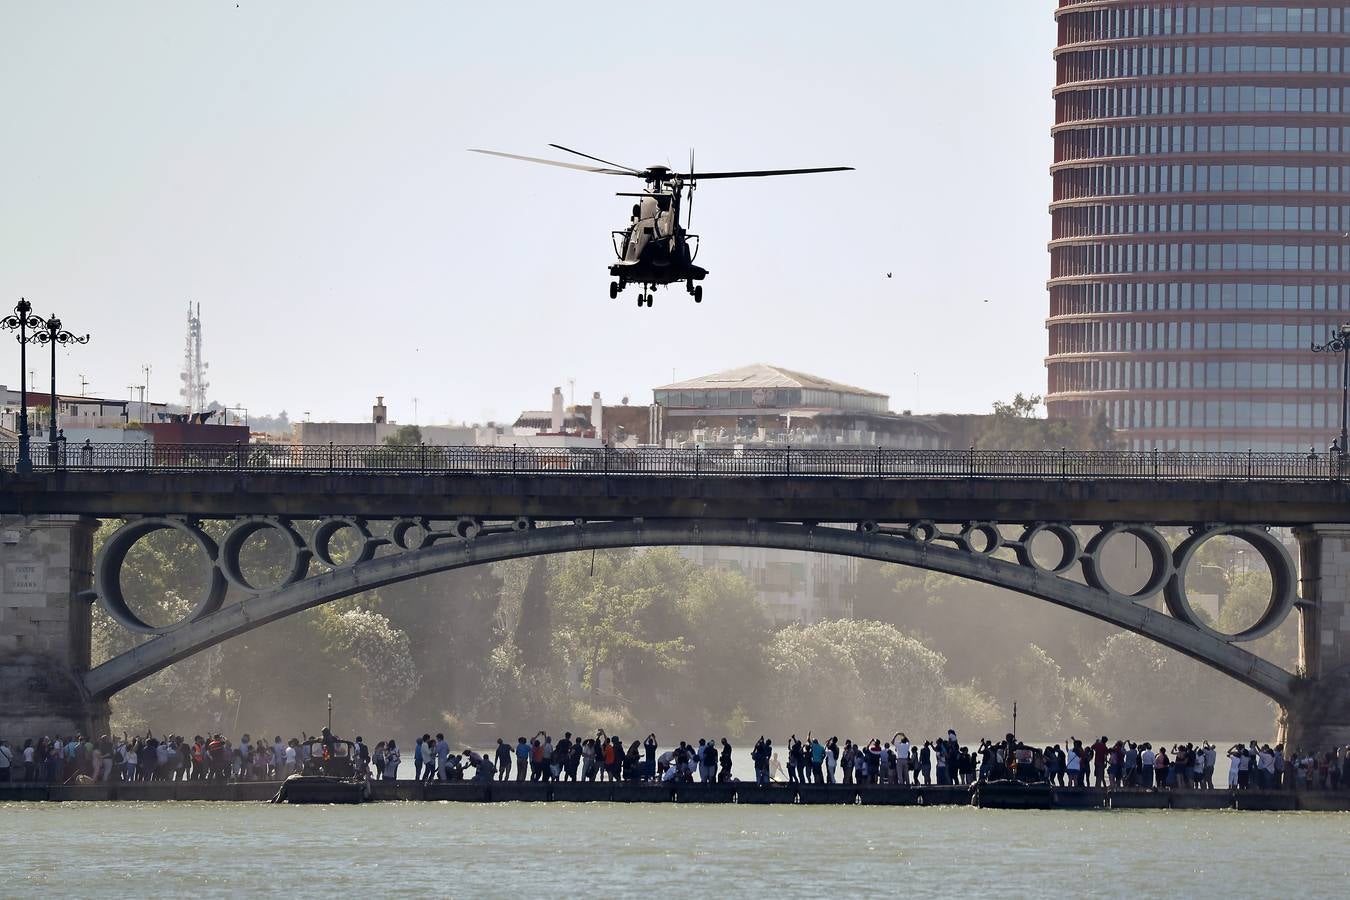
194 367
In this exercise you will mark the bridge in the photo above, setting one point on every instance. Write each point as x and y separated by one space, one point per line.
1034 522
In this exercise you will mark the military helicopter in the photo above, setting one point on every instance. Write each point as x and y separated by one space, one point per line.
655 249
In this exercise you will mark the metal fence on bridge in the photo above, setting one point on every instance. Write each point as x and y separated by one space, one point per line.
706 462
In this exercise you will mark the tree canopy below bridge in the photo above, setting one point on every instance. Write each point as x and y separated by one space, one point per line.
641 640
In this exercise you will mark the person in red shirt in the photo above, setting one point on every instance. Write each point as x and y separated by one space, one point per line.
1099 761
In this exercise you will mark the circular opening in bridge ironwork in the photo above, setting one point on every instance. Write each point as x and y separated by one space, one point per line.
1237 583
262 554
924 531
1132 562
410 534
343 542
1053 548
153 575
982 537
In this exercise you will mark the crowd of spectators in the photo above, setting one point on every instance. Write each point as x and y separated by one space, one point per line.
899 761
171 757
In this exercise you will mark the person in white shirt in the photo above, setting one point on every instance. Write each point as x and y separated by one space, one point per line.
902 750
1146 757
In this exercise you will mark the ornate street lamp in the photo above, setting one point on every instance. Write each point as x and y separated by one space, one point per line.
1339 342
52 333
22 320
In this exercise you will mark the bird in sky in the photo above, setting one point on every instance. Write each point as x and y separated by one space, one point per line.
888 274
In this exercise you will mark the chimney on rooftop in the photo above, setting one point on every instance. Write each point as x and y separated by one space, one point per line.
597 414
378 414
557 420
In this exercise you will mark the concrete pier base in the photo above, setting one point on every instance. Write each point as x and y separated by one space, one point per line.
1318 718
45 566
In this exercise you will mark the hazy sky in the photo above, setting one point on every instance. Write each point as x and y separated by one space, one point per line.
299 169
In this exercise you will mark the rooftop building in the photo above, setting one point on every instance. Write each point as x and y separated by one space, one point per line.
768 404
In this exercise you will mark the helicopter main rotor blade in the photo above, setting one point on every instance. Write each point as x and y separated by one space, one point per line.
628 169
554 162
761 173
693 182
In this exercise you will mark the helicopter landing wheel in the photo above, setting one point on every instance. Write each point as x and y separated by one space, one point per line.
642 300
689 285
613 289
698 293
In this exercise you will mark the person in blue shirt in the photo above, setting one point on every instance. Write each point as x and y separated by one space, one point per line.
522 758
417 759
817 759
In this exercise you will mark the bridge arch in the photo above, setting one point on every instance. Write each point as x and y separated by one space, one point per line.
1213 650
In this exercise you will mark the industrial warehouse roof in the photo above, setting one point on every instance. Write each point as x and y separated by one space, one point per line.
760 375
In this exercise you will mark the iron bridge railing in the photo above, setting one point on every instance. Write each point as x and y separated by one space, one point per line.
708 462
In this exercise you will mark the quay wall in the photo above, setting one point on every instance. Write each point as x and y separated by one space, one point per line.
988 796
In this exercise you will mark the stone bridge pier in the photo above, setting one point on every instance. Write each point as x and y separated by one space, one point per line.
1318 718
45 567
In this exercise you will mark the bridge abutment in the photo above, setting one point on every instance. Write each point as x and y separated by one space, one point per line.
45 567
1318 718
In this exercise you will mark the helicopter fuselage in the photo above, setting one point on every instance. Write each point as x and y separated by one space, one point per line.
655 249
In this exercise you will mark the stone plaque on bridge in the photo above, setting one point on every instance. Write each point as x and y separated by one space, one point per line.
25 578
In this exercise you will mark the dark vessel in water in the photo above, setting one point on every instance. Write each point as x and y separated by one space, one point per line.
331 773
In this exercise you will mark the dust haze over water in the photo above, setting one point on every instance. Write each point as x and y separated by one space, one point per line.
638 641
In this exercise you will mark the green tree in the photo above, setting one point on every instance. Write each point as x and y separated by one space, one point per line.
649 630
864 679
728 632
534 627
1035 681
452 624
380 667
1243 605
1151 692
1015 426
618 622
406 436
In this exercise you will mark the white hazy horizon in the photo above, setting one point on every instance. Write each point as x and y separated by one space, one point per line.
299 169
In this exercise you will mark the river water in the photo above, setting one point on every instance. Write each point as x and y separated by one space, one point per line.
561 849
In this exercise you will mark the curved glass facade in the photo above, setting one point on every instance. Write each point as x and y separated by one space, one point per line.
1200 236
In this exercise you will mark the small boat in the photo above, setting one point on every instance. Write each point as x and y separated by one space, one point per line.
329 775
